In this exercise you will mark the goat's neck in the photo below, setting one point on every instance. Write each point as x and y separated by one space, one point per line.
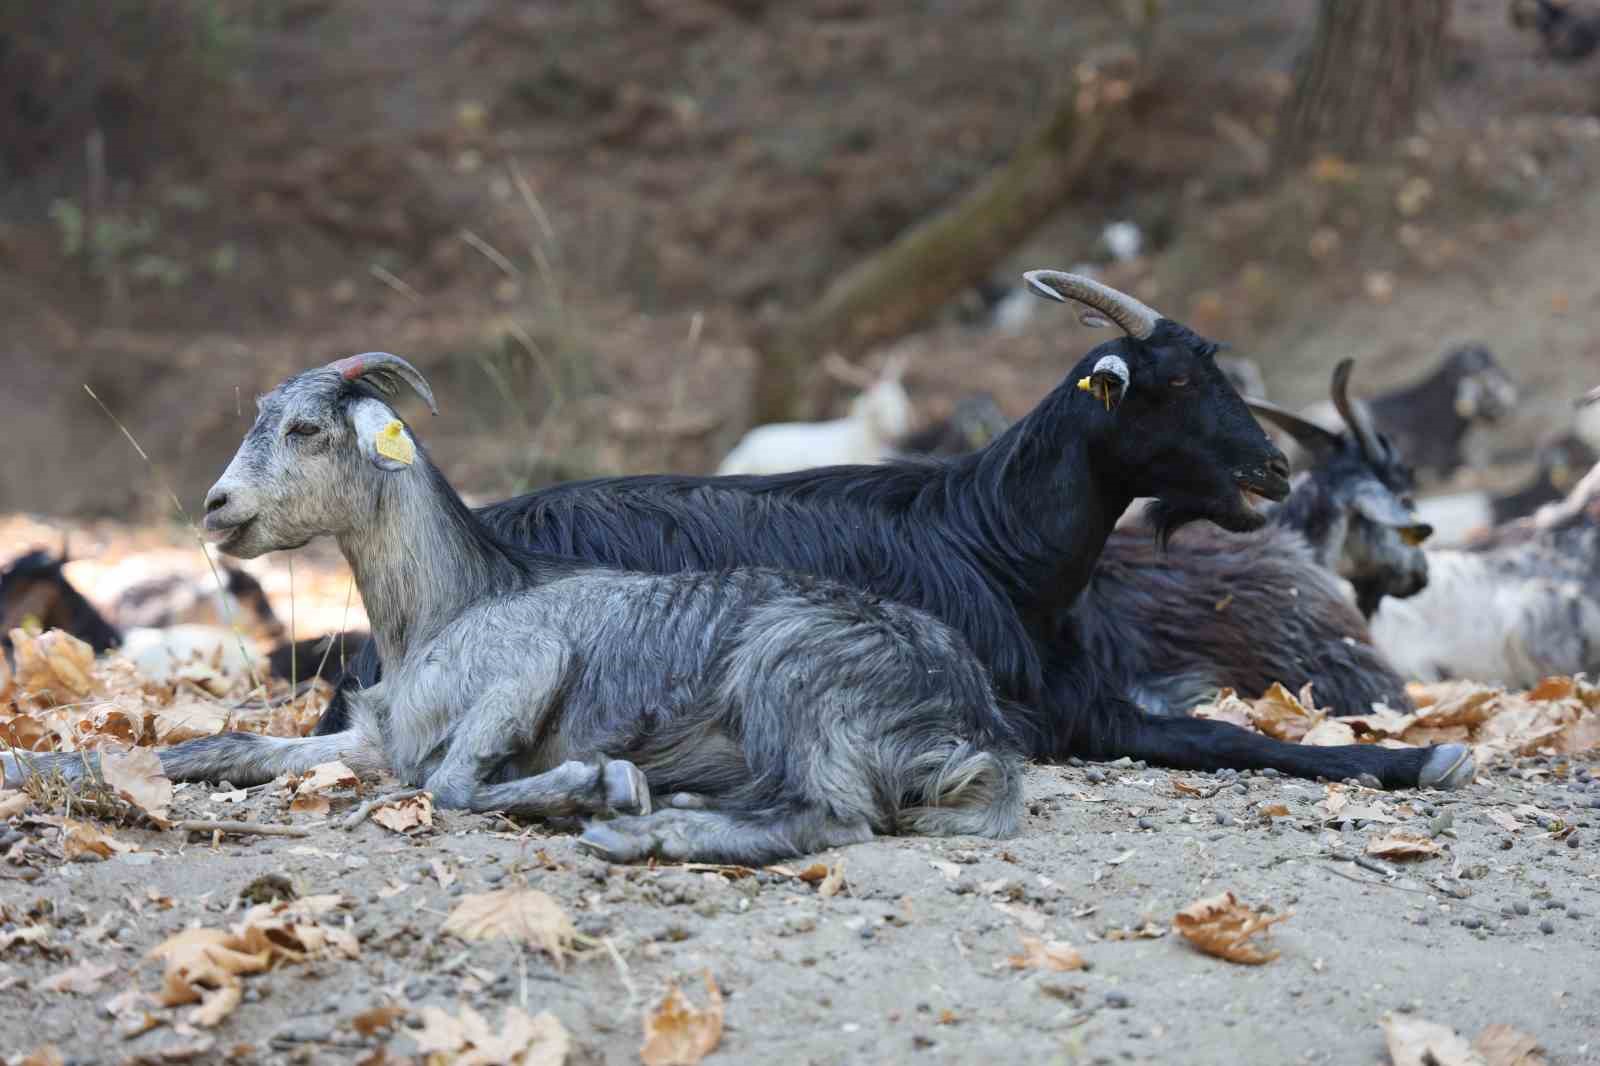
1046 512
419 557
1312 512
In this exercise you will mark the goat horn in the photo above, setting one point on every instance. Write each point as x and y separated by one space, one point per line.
1356 417
386 372
1592 396
1309 435
1136 320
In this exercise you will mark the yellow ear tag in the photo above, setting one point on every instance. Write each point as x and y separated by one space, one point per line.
1085 385
392 443
1098 389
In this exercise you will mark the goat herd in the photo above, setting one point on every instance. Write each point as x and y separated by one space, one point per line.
746 667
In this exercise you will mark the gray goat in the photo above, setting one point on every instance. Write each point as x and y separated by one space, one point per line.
782 714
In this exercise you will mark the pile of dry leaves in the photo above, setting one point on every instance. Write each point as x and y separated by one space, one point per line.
1559 717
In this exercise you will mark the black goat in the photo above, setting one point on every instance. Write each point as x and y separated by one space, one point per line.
1242 611
1569 34
1562 461
996 543
32 586
1428 421
975 421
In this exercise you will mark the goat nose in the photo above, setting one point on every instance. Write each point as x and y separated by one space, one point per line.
216 500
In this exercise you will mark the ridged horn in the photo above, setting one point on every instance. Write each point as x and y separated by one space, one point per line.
1355 416
1135 319
386 373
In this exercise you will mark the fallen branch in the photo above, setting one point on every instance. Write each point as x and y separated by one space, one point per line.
255 829
365 810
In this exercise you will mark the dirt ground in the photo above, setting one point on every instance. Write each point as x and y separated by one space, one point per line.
909 962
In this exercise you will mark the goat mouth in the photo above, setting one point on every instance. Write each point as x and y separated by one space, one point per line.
227 536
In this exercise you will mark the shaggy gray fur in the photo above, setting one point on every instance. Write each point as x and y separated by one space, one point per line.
801 713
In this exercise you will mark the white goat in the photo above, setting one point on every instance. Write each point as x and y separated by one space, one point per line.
1520 607
878 418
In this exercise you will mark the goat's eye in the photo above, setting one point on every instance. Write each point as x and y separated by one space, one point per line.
304 429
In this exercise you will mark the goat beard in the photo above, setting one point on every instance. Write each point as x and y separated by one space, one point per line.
1166 517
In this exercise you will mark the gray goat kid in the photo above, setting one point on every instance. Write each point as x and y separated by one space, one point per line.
787 714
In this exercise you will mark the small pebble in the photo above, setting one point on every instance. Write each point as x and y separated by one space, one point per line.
1118 1000
1547 927
1223 818
1472 921
1554 905
1369 781
1242 788
1270 772
1521 906
1573 840
1147 823
1095 777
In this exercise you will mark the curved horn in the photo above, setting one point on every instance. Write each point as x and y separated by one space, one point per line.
386 373
1136 320
1356 417
1314 438
1592 396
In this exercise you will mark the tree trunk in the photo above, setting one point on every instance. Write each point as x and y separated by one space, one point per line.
891 292
1367 74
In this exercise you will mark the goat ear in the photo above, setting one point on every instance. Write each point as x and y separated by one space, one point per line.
1315 439
382 437
1109 381
1381 507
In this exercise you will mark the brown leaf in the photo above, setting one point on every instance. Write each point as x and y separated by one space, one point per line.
325 776
85 841
189 721
405 815
1183 788
13 803
54 668
81 979
1399 845
1330 806
834 882
312 804
1418 1042
1276 810
523 914
45 1054
676 1033
1501 1045
1046 955
371 1022
468 1039
1222 926
1280 716
817 871
29 934
1227 707
1329 733
137 777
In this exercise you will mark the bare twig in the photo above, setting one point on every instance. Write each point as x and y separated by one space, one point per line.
255 829
622 972
365 810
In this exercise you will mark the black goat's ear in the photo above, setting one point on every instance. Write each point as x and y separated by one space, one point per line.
1108 381
382 437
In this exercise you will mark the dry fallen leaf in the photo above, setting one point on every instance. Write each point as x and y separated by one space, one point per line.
85 841
189 721
1147 931
1276 810
468 1039
29 934
80 980
325 776
676 1033
402 816
1280 715
834 882
524 914
137 777
1501 1045
13 803
1418 1042
1046 955
44 1055
1400 845
1222 926
54 668
371 1022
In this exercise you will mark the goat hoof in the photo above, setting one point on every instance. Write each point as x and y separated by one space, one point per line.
627 791
604 842
687 801
1448 766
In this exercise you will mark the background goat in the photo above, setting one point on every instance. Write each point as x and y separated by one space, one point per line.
997 543
974 422
1216 611
1429 420
33 589
1519 606
878 418
803 714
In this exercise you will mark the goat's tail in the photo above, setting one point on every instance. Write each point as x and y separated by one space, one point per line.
240 758
961 788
